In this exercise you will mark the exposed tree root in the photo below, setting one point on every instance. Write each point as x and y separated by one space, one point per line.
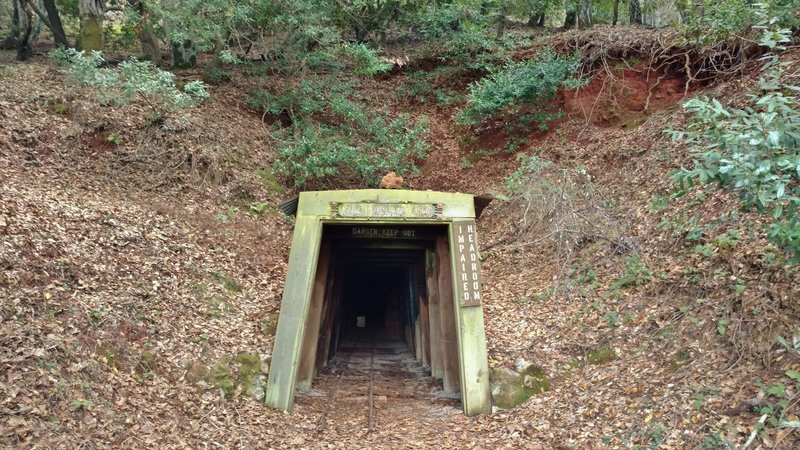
659 51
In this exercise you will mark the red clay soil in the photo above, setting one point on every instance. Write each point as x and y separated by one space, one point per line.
464 156
623 97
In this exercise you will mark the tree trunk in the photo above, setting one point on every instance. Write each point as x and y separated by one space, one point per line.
360 32
536 20
570 19
501 22
635 12
54 23
25 30
151 47
682 6
585 14
39 8
616 13
184 54
91 16
10 41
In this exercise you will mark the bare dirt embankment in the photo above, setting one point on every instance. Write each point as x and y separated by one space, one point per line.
141 270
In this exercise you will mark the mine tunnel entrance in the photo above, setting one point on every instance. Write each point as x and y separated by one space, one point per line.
385 267
383 286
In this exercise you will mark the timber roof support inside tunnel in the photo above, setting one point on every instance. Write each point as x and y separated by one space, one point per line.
383 266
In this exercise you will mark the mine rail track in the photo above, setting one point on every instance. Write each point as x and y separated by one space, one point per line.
371 384
372 381
323 417
322 421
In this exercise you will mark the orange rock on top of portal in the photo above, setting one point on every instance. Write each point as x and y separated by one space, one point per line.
391 181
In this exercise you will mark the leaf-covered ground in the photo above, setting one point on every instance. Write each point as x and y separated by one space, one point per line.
141 271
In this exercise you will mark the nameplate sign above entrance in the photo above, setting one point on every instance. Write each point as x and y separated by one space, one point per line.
385 210
467 263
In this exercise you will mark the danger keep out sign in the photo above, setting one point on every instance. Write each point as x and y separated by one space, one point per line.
468 263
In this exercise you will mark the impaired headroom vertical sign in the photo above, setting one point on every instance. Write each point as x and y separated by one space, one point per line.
468 263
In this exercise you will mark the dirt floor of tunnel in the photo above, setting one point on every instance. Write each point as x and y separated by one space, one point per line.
381 372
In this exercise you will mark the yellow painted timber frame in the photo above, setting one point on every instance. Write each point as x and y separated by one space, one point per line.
378 207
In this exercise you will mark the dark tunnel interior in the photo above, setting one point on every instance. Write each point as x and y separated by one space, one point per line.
379 283
379 290
371 299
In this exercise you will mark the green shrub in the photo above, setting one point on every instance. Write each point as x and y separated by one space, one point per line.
752 151
711 21
417 87
299 102
119 36
364 150
518 84
635 273
437 22
216 75
463 34
365 60
334 140
131 80
423 86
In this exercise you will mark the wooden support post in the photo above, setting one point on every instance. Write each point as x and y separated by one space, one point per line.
472 356
447 317
425 338
294 311
328 309
431 279
308 357
417 340
337 319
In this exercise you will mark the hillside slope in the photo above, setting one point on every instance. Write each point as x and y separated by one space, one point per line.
141 271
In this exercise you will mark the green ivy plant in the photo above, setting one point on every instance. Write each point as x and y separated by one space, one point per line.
752 151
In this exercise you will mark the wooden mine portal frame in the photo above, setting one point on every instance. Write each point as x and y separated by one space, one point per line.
425 244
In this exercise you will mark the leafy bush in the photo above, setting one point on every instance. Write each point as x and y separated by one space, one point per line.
310 97
434 22
335 141
753 151
366 60
205 23
522 83
314 155
119 36
476 50
359 59
132 79
417 87
462 34
420 87
712 21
